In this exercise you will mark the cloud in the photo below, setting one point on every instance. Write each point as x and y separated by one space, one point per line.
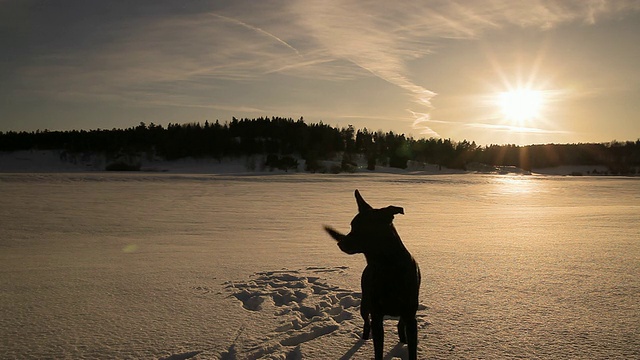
183 57
382 37
162 57
163 60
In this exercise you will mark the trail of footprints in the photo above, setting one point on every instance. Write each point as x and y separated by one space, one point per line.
308 307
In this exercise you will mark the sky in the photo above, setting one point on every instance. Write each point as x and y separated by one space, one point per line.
489 71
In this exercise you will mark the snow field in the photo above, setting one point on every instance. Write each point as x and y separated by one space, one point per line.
170 266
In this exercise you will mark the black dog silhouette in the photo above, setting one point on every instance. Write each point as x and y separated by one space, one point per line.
390 281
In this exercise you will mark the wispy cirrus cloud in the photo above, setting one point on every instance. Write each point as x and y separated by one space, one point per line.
382 37
163 60
197 57
165 56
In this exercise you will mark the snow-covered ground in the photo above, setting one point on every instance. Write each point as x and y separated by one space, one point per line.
178 266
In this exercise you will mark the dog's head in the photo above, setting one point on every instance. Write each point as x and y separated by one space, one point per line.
369 228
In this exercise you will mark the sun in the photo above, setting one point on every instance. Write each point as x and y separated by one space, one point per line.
521 105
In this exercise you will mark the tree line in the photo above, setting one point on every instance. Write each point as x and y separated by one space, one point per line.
283 140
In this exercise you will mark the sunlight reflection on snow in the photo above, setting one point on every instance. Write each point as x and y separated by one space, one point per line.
517 185
131 248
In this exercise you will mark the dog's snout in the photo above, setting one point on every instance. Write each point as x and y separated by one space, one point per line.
351 244
347 246
334 234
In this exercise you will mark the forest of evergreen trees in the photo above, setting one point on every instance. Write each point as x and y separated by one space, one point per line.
282 140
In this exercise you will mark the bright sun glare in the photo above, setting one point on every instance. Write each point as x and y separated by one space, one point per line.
520 105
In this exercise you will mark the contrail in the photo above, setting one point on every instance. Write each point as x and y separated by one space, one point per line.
257 29
392 72
421 119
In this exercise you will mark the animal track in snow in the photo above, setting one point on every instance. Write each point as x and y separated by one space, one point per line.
306 306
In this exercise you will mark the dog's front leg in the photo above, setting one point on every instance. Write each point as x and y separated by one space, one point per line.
366 328
366 283
378 335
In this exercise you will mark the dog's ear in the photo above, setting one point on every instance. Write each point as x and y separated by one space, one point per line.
362 205
390 211
395 210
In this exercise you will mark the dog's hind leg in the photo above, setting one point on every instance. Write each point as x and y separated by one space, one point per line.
411 326
378 335
402 331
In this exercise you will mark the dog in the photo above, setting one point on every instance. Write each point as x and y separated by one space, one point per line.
390 281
